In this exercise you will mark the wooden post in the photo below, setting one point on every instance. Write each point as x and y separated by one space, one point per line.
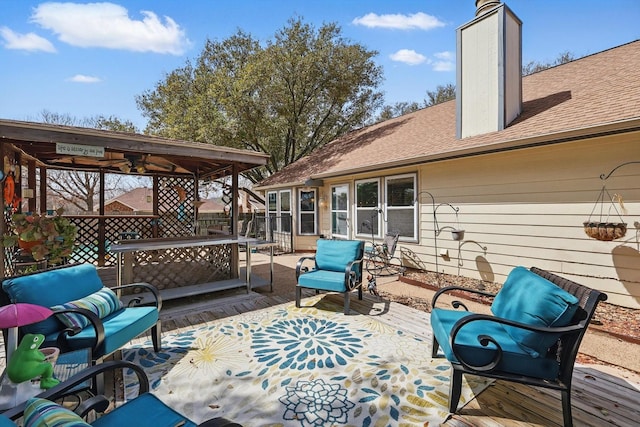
102 235
31 185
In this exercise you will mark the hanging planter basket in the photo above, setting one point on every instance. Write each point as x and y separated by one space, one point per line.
603 229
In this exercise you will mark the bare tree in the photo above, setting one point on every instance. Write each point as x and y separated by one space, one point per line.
80 189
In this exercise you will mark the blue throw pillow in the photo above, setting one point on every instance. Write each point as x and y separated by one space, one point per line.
528 298
101 303
44 413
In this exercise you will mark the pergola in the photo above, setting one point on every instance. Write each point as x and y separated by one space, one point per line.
176 167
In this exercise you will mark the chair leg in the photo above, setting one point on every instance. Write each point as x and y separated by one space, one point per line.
156 336
455 389
298 296
347 299
360 292
566 408
434 347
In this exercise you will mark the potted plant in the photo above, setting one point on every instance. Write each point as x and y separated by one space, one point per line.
49 237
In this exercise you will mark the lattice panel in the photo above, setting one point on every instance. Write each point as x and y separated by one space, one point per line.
86 245
176 267
175 207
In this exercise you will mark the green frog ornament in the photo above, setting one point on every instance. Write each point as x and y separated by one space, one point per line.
27 363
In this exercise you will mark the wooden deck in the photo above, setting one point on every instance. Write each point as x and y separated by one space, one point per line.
598 398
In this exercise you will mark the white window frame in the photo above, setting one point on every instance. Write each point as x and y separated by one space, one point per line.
413 207
334 212
278 211
314 212
367 211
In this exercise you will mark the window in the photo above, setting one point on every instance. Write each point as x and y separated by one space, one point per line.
367 207
285 211
307 212
401 209
340 210
279 210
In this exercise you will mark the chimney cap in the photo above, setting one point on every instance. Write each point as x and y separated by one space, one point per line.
483 6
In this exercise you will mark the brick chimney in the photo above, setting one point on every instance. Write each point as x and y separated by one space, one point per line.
489 70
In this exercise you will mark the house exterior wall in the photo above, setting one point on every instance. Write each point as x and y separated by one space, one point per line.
522 207
116 206
527 207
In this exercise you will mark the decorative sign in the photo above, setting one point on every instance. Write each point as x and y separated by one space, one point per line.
79 150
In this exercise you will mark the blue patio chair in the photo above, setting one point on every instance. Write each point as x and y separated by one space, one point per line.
145 410
337 268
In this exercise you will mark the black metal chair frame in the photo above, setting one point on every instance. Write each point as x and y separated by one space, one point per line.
564 351
380 259
101 403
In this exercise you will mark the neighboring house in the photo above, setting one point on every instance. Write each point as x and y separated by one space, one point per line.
138 201
521 158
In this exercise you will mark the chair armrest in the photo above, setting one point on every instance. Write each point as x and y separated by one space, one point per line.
349 274
63 389
457 304
146 286
300 262
484 339
94 321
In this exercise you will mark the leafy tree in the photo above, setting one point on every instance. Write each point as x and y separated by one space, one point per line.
397 109
441 94
302 89
535 66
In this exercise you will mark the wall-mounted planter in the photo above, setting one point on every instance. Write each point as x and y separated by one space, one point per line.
457 235
605 231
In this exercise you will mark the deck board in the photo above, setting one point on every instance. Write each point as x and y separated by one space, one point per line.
598 398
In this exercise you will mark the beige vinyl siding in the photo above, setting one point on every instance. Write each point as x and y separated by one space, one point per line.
527 208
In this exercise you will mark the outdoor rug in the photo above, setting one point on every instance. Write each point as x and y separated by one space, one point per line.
312 366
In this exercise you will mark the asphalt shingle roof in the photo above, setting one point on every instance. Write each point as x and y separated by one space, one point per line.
590 92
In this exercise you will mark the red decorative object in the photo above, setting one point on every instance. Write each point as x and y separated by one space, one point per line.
28 246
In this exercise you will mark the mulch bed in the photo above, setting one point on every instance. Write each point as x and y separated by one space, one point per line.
621 322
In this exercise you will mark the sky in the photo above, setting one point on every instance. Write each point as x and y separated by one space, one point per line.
89 59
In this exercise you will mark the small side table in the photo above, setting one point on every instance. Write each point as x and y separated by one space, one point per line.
67 365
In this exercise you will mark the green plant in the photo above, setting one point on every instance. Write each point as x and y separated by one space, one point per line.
55 235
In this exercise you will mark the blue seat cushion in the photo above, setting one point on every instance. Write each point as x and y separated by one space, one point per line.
119 328
51 288
514 358
334 255
324 280
147 411
528 298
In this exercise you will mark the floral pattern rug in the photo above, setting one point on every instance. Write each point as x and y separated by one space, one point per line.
312 366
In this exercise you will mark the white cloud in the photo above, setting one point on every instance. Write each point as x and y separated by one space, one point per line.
445 56
31 41
109 26
445 62
416 21
408 56
443 66
81 78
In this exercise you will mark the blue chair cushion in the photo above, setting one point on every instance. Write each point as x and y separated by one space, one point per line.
51 288
334 255
147 411
528 298
514 358
324 280
6 422
119 328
